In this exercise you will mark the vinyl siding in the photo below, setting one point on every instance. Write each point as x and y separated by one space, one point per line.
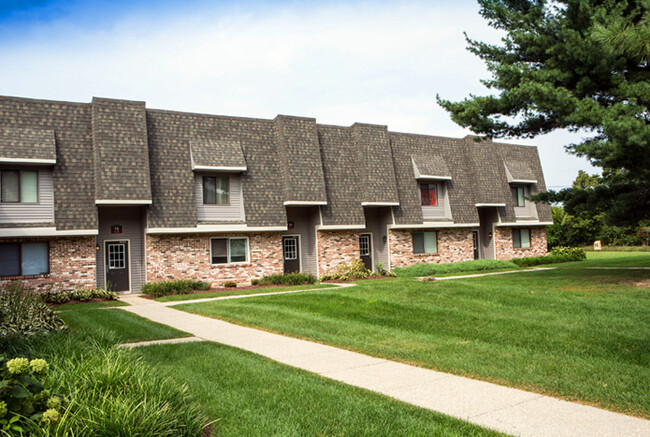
42 212
226 213
133 230
303 219
376 221
440 211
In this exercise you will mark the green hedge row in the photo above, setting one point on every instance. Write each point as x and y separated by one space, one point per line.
179 286
286 279
430 269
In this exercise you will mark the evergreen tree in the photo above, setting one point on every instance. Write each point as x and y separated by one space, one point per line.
580 65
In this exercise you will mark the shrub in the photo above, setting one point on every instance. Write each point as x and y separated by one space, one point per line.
381 270
229 284
430 269
574 252
179 286
83 295
112 392
578 255
345 272
255 282
288 279
23 400
23 313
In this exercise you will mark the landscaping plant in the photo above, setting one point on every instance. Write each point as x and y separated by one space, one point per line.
287 279
179 286
58 297
347 271
431 269
557 255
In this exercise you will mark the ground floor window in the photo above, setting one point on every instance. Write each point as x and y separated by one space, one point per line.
22 259
228 250
425 242
521 238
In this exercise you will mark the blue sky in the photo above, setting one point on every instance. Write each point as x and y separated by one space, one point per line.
377 62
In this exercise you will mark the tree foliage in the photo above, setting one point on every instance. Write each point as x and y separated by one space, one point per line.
580 65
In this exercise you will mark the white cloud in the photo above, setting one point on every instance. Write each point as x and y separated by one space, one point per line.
375 63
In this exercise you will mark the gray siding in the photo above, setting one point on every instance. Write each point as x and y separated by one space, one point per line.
377 220
529 210
304 225
442 210
131 219
216 213
42 212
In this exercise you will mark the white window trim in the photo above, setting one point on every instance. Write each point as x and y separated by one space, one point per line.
229 263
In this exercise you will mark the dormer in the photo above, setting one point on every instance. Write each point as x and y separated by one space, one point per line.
433 178
521 180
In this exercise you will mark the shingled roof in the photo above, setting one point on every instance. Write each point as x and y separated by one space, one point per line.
118 150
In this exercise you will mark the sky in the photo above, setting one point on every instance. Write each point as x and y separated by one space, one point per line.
341 62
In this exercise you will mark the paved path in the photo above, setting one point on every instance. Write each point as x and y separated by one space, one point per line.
618 268
509 410
154 342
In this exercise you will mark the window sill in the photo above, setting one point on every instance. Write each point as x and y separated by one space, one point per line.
13 278
240 264
522 248
427 254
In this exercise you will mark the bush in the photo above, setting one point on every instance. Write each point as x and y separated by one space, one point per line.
229 284
179 286
381 271
83 295
430 269
575 252
112 392
23 313
345 272
288 279
530 261
255 282
24 403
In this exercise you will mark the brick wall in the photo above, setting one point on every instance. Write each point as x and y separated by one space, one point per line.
503 243
72 264
453 245
336 248
187 256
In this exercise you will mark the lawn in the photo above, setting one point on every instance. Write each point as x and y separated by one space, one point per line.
124 327
89 305
249 395
236 292
572 332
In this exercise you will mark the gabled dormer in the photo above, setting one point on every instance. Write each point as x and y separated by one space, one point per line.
433 177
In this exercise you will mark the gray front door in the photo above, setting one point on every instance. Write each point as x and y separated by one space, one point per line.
117 265
365 250
291 254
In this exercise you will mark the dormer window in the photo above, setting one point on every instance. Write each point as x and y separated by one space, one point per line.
216 190
518 196
429 194
18 186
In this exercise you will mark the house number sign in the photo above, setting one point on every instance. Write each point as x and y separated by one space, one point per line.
116 229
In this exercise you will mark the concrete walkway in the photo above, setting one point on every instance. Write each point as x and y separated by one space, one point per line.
509 410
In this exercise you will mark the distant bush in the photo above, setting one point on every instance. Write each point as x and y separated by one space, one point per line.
179 286
229 284
83 295
550 259
345 272
381 270
288 279
575 252
430 269
23 313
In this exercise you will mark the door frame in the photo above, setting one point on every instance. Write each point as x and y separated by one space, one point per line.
372 249
128 240
299 249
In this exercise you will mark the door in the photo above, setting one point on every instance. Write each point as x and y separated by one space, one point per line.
475 239
117 265
291 254
365 250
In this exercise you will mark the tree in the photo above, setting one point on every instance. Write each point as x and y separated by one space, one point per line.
580 65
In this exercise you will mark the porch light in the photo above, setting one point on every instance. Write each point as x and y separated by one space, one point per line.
490 235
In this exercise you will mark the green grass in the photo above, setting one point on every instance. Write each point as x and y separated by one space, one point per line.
252 396
235 292
430 269
89 305
571 332
124 326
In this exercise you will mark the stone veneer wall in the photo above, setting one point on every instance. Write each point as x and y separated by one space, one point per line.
72 264
503 243
453 245
336 248
187 256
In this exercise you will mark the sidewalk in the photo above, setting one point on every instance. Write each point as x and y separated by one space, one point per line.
509 410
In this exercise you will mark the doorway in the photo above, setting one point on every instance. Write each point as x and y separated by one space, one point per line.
475 240
116 255
291 253
365 250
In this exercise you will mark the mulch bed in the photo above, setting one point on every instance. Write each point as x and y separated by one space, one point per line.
341 281
227 289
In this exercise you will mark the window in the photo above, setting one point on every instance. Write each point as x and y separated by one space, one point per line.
19 186
521 238
22 259
429 194
425 242
289 248
518 194
216 190
116 256
364 245
228 250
